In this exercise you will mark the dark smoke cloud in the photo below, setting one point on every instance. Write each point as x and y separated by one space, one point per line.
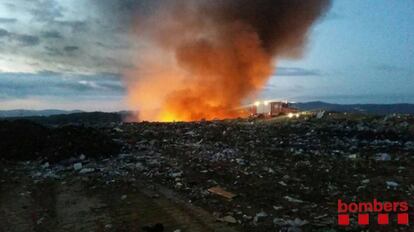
219 52
282 25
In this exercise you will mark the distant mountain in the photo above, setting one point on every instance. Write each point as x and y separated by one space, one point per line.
83 118
31 113
357 108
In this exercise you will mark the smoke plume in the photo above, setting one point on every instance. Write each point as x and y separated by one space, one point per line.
201 59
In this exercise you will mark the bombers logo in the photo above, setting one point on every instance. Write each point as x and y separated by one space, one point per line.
381 210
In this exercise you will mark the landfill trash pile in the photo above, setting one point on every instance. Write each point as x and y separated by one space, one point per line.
24 140
261 175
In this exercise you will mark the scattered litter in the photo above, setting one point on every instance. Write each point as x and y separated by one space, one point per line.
77 166
221 192
260 216
45 165
320 114
228 219
392 185
86 170
382 157
293 200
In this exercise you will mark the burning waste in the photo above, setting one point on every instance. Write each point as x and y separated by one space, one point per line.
204 59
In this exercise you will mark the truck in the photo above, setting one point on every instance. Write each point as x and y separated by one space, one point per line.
272 109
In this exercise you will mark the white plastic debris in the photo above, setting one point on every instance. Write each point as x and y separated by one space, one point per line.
352 156
293 200
366 181
282 183
277 207
40 221
279 222
260 216
392 185
320 114
77 166
229 219
176 174
382 157
297 222
86 170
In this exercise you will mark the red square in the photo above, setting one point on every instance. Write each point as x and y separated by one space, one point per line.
363 219
383 219
343 219
403 218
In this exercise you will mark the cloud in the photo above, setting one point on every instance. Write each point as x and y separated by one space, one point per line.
53 51
3 32
71 48
23 39
53 84
294 71
74 26
46 10
28 40
52 34
83 36
8 20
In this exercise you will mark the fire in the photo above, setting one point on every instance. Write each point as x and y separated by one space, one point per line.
202 60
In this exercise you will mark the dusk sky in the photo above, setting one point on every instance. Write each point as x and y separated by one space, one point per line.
71 54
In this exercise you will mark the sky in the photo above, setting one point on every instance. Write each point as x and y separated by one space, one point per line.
71 54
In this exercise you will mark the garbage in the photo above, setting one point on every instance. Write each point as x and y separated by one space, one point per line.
45 165
260 216
292 171
221 192
297 222
392 185
366 181
320 114
228 219
77 166
293 200
382 157
86 170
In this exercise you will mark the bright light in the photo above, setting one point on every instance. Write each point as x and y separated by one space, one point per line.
257 103
290 115
266 103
